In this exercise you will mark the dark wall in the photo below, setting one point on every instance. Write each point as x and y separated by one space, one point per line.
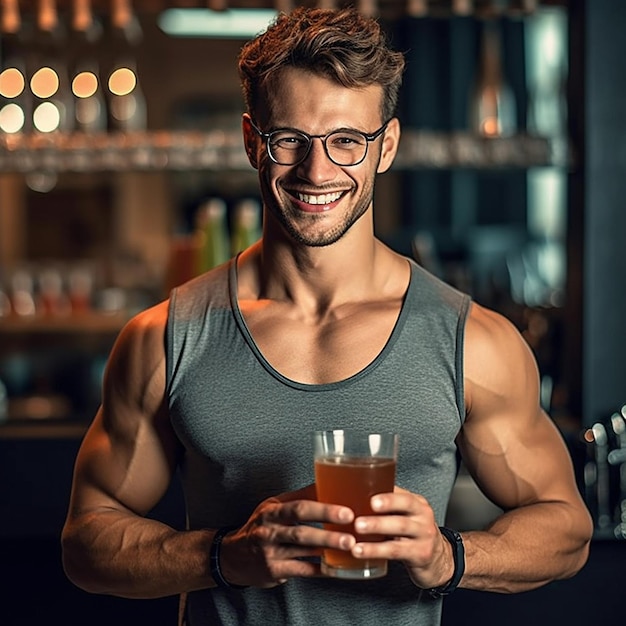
604 286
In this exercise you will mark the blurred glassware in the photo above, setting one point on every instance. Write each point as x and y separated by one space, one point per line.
127 104
49 79
246 225
90 106
493 111
212 232
546 45
15 100
22 293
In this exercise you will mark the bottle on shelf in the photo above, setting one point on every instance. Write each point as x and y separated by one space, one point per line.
546 70
52 296
127 104
462 7
493 110
49 77
89 104
22 293
212 231
246 225
417 8
15 102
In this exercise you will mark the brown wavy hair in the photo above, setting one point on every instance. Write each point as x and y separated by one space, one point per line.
342 45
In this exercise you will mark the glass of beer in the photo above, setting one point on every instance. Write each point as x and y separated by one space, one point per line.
350 467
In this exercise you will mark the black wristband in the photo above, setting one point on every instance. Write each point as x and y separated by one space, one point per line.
458 553
214 559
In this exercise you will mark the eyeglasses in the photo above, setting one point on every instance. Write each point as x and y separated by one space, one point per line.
345 146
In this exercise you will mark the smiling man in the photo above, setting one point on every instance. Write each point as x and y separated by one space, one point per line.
305 192
318 325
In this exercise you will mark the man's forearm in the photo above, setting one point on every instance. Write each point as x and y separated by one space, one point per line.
527 548
124 555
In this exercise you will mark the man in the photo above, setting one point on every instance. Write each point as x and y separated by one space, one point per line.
318 325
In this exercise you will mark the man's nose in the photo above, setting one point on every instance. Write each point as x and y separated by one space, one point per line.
317 167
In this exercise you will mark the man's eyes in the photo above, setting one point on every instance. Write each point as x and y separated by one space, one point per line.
346 140
289 141
339 140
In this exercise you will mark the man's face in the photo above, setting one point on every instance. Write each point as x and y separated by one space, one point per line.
317 201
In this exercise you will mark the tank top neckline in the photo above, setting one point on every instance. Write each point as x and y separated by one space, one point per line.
249 339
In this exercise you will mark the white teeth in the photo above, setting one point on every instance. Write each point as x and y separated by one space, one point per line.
326 198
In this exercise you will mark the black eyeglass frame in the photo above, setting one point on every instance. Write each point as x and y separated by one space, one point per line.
368 138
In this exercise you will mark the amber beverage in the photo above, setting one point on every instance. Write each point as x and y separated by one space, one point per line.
350 468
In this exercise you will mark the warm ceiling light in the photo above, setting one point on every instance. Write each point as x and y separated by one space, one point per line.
47 117
45 82
12 118
122 81
85 84
12 83
229 24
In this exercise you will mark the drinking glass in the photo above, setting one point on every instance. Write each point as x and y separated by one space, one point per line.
350 467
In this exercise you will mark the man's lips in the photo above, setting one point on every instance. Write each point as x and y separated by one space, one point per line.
316 202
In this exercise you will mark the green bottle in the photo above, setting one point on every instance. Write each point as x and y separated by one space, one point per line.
246 225
213 245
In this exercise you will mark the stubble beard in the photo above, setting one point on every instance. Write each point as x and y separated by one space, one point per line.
300 227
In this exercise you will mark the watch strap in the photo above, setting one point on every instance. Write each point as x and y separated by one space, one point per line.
458 554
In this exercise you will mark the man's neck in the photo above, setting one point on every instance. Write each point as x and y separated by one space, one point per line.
318 280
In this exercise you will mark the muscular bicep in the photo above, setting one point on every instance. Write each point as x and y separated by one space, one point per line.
129 454
510 446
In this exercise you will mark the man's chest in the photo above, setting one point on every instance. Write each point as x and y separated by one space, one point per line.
321 349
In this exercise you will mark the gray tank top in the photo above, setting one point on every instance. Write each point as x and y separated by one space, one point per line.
246 432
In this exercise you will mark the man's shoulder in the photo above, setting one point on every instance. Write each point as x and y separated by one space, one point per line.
211 286
433 289
146 324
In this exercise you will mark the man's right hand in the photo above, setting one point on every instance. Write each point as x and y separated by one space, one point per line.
280 539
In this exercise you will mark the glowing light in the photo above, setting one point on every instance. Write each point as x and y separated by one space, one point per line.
122 81
45 82
85 84
229 24
490 127
12 83
12 118
47 117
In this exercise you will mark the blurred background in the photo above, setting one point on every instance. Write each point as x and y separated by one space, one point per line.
122 174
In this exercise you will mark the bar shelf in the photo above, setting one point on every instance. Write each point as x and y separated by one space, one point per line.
223 151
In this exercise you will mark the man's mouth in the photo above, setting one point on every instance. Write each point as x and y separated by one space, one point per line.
319 199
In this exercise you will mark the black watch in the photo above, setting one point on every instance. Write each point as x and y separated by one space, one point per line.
458 553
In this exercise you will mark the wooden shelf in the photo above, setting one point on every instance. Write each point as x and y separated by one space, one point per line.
87 323
41 429
463 150
223 151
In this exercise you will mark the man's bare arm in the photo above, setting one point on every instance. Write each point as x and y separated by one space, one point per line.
123 468
520 461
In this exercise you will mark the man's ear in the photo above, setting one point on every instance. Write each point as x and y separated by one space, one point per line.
250 140
391 140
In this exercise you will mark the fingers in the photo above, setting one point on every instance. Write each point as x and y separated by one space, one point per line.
288 531
296 508
283 537
407 524
288 537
